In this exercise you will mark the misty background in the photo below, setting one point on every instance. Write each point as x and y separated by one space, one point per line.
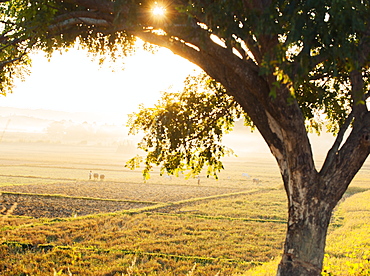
69 99
19 125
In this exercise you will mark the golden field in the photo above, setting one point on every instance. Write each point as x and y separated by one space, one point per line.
55 221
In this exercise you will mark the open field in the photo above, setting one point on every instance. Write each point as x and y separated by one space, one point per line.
54 220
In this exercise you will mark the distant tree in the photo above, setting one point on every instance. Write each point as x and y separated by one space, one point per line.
285 63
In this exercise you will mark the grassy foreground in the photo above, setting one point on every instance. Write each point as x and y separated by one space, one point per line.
53 221
197 237
348 246
201 238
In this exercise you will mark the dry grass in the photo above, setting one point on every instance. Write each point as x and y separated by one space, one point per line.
348 246
164 227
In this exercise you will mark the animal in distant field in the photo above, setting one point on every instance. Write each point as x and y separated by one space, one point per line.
245 175
256 180
96 176
102 176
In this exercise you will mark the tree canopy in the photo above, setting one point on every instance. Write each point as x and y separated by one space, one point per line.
184 130
283 64
312 48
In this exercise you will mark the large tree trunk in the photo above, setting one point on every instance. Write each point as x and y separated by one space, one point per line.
312 197
306 234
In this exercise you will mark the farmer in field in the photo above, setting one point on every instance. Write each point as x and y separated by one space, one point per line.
90 175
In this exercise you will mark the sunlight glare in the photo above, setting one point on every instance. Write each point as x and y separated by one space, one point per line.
158 11
71 82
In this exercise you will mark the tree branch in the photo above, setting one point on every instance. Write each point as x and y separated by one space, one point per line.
338 141
84 14
80 20
248 88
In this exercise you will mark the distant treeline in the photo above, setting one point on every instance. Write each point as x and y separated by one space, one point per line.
68 132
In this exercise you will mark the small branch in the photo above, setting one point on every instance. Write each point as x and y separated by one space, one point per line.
80 20
338 141
80 14
21 55
3 63
318 77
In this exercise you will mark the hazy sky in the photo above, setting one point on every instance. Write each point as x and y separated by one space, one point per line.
72 82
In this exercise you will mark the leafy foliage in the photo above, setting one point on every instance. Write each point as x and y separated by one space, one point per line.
184 130
311 46
318 44
323 42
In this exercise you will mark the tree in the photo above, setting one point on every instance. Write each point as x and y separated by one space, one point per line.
285 63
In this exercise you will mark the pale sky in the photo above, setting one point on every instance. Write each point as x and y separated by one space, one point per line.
72 82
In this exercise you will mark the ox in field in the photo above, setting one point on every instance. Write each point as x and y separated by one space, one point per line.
256 181
96 176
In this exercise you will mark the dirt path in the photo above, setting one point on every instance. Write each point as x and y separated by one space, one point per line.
50 206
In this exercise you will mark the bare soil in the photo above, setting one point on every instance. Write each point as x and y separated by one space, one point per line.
48 206
62 199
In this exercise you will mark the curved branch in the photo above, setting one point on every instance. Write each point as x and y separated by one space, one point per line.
84 14
79 20
338 141
5 62
349 158
241 81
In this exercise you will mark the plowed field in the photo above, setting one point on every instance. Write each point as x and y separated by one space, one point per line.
83 198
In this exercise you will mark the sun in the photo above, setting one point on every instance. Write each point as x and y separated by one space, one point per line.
159 11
